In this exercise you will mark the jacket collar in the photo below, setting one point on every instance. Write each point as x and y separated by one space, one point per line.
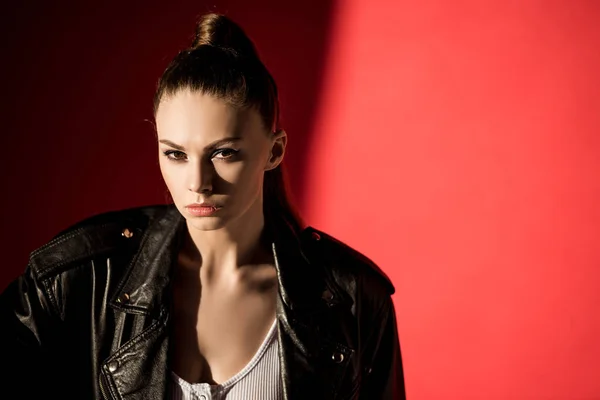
143 289
311 333
303 284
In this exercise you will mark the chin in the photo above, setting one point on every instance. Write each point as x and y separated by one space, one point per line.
205 223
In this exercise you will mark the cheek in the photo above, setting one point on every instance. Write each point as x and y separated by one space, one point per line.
239 173
233 173
243 179
169 175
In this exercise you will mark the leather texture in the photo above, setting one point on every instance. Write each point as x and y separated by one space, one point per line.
89 317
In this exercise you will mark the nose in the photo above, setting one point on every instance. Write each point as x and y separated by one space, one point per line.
200 177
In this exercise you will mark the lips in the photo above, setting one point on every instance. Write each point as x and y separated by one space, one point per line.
202 209
196 205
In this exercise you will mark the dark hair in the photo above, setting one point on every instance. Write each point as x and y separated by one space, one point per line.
223 62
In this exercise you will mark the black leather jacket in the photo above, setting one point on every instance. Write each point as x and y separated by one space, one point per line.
89 318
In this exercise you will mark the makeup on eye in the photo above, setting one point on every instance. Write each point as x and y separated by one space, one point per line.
175 155
219 154
224 154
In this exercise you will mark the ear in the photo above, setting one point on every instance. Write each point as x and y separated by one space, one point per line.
278 143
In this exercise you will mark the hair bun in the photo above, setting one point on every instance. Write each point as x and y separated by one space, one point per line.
219 31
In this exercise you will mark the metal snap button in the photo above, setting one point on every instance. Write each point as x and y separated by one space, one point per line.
113 366
123 299
316 236
337 357
203 397
327 295
127 233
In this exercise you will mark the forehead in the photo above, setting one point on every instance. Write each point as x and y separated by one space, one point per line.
187 114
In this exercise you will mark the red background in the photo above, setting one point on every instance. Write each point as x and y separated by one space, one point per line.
455 143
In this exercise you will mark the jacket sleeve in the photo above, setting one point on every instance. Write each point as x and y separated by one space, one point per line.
26 325
384 376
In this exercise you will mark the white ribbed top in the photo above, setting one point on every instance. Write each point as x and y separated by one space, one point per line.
259 379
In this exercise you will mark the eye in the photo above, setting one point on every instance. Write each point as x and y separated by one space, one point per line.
175 155
224 154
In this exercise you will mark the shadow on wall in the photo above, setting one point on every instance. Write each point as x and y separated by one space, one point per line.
77 120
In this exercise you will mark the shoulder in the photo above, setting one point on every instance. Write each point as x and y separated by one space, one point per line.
345 262
99 234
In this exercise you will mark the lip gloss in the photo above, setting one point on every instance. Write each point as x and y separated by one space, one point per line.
202 211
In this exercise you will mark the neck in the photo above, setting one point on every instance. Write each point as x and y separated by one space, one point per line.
239 243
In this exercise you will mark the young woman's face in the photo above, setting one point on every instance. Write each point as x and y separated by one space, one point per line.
215 155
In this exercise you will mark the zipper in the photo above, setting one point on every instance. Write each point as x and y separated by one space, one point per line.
103 382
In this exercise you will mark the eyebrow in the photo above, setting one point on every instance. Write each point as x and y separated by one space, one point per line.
210 146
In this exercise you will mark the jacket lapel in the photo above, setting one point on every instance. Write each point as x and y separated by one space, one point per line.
316 341
315 348
137 368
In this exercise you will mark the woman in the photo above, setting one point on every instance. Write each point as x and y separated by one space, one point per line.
223 294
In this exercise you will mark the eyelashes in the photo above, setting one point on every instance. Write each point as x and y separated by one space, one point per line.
174 155
225 154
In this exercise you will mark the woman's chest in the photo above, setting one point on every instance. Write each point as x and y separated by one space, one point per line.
217 332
